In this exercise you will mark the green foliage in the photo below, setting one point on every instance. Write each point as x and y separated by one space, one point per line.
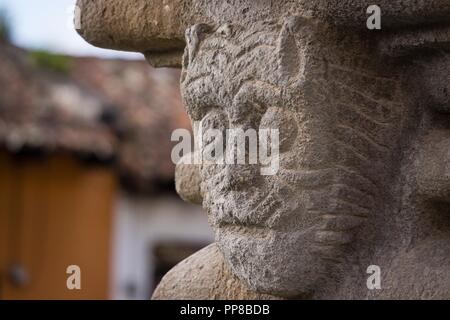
5 26
51 61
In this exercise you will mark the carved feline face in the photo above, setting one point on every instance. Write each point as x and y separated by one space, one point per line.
284 234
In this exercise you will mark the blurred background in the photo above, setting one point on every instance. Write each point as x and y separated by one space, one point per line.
86 176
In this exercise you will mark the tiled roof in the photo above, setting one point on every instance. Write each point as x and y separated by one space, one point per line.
117 109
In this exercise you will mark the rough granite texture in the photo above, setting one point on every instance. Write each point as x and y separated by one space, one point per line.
188 180
196 277
156 27
364 124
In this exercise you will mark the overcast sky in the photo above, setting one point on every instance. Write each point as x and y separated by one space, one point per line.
47 24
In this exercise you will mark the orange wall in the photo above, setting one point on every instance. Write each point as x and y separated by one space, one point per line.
55 211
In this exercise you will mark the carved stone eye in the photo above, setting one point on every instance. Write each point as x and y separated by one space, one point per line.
277 118
225 31
215 119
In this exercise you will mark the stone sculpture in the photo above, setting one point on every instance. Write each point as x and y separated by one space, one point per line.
364 120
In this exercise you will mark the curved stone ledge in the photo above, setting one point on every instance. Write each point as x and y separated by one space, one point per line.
157 27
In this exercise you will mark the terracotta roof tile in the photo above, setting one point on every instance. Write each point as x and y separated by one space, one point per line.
108 108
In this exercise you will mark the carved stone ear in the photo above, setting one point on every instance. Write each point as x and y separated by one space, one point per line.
290 60
295 37
187 180
299 50
434 178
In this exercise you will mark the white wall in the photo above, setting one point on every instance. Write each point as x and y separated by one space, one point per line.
141 222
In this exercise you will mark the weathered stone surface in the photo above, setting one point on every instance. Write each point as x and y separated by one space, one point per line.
434 173
406 42
364 142
187 181
156 27
204 276
135 25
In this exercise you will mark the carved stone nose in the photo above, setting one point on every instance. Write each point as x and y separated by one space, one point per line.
241 177
187 180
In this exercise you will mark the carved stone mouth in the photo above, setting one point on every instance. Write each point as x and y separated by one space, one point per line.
327 203
259 205
253 208
241 208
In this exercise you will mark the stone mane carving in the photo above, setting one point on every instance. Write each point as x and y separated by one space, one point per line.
364 174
